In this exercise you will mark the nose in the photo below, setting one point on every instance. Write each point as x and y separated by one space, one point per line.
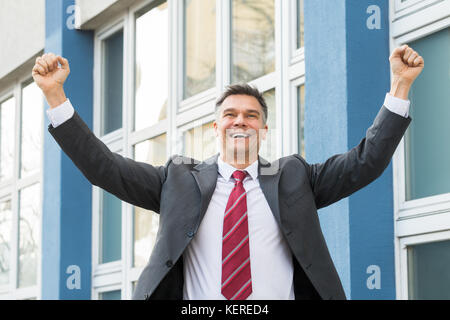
239 120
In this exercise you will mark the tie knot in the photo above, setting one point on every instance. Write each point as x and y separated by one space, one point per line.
239 175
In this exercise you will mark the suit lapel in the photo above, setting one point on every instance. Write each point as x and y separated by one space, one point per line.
269 177
205 175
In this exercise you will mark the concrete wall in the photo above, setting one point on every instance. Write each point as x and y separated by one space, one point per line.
22 35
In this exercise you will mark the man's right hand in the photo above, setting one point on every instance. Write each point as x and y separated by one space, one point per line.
50 77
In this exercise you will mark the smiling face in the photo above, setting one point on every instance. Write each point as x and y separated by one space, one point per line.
240 128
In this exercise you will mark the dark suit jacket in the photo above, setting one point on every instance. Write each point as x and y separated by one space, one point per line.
181 191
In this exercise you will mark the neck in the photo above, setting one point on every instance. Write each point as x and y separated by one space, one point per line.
240 163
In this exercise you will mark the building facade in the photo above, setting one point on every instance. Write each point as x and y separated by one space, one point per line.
145 77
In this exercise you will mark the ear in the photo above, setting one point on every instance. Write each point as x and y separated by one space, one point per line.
216 128
264 132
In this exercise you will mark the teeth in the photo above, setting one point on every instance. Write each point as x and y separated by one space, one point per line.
240 135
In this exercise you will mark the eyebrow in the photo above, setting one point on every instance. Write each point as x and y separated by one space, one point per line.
249 111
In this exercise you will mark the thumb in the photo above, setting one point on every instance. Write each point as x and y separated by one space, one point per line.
64 63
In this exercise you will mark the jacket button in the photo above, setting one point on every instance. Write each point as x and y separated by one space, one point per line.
190 234
169 264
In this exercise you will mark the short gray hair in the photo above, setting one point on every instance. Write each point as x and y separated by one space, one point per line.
244 89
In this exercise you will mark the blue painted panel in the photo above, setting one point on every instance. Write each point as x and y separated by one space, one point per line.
67 202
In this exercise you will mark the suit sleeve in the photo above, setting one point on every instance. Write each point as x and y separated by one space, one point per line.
134 182
344 174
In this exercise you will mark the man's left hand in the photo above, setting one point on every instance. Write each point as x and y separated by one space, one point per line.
406 64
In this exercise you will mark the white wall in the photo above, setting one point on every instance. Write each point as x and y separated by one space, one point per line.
93 13
22 35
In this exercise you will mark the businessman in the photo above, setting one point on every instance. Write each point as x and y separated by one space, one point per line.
235 226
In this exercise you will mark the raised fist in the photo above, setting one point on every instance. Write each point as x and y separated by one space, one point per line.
50 72
406 64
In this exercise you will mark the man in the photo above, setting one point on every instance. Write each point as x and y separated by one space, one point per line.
235 226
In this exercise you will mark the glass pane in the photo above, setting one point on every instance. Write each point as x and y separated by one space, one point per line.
428 271
111 295
5 240
427 171
29 219
300 24
112 83
269 146
199 46
7 123
152 67
111 224
146 222
200 143
31 130
301 120
253 39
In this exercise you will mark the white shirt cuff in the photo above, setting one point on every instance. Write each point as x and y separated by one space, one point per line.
60 114
397 105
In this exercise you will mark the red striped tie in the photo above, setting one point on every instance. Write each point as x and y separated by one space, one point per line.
236 275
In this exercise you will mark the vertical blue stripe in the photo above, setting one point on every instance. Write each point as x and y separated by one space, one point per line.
67 203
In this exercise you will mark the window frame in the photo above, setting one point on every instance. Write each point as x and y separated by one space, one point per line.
10 190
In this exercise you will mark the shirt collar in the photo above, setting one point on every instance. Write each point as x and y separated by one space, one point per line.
226 170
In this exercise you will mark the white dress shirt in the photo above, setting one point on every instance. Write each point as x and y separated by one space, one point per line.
270 257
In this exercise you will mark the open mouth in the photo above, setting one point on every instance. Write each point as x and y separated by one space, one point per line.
240 135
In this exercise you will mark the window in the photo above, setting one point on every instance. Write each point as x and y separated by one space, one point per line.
146 223
268 148
300 24
253 39
427 173
421 188
6 228
429 277
20 191
152 66
199 46
111 227
200 142
7 121
113 83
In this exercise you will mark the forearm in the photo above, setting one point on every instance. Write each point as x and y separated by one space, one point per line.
400 88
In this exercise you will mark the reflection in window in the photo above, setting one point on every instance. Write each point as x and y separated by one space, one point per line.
268 149
5 241
300 24
199 46
29 217
253 39
428 271
31 130
301 120
152 67
200 142
146 222
111 295
7 129
111 227
112 83
426 160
